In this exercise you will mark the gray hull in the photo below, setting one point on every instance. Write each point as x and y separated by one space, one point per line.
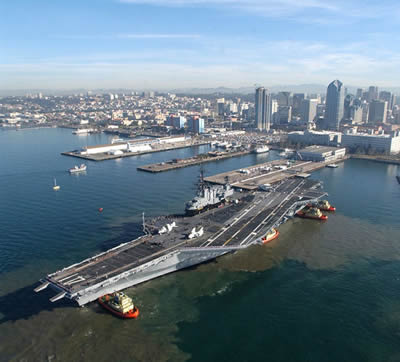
179 259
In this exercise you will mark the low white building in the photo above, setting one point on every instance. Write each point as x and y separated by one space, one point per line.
92 150
321 153
315 137
176 139
381 142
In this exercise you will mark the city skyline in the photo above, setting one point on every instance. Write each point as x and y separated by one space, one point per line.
202 43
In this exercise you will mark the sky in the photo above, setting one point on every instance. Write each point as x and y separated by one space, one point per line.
167 44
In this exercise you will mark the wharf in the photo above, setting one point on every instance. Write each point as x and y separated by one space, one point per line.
157 148
190 161
233 227
394 160
250 178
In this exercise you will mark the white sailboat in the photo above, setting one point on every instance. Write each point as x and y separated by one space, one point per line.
55 187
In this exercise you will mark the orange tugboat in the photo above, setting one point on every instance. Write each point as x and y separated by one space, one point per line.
119 304
312 213
323 205
271 235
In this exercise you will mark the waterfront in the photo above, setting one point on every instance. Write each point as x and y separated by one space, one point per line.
322 291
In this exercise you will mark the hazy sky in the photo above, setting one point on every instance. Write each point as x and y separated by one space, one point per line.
197 43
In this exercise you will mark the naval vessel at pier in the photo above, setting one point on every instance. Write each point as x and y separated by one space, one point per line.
238 224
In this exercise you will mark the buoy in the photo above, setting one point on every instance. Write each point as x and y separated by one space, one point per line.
100 209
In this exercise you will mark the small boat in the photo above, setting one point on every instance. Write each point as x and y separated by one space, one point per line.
76 169
312 213
119 304
323 205
82 131
262 149
56 187
271 235
332 165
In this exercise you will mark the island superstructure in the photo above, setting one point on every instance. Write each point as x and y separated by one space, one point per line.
238 225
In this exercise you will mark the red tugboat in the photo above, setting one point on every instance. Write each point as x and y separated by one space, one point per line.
119 304
323 205
312 213
271 235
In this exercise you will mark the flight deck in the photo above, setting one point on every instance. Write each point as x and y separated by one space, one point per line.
234 225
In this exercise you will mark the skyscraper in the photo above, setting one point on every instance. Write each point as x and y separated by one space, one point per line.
308 110
372 93
377 111
388 97
334 105
284 99
297 99
263 109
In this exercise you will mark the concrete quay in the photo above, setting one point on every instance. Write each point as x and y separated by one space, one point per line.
156 148
250 178
190 161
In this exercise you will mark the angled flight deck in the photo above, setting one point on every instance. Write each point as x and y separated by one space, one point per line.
235 226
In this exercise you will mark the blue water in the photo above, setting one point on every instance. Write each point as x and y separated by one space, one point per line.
320 292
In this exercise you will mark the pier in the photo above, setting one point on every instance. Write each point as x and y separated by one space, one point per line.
250 178
190 161
111 155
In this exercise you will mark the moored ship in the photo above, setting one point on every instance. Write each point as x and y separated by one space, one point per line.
119 304
82 131
312 213
76 169
185 242
262 149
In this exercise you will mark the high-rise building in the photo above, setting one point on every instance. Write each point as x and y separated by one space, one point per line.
365 111
352 109
359 93
297 99
221 106
308 110
334 105
284 99
372 93
377 111
176 121
263 109
283 114
388 97
196 125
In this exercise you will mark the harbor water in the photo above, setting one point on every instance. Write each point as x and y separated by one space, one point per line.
320 292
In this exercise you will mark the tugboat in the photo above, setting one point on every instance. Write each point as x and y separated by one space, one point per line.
271 235
312 213
323 205
119 304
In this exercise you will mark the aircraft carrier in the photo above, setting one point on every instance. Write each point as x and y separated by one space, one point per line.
236 225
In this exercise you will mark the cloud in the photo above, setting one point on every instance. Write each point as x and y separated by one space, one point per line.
127 36
310 11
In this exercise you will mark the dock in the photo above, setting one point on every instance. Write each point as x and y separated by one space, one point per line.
250 178
233 227
190 161
103 156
